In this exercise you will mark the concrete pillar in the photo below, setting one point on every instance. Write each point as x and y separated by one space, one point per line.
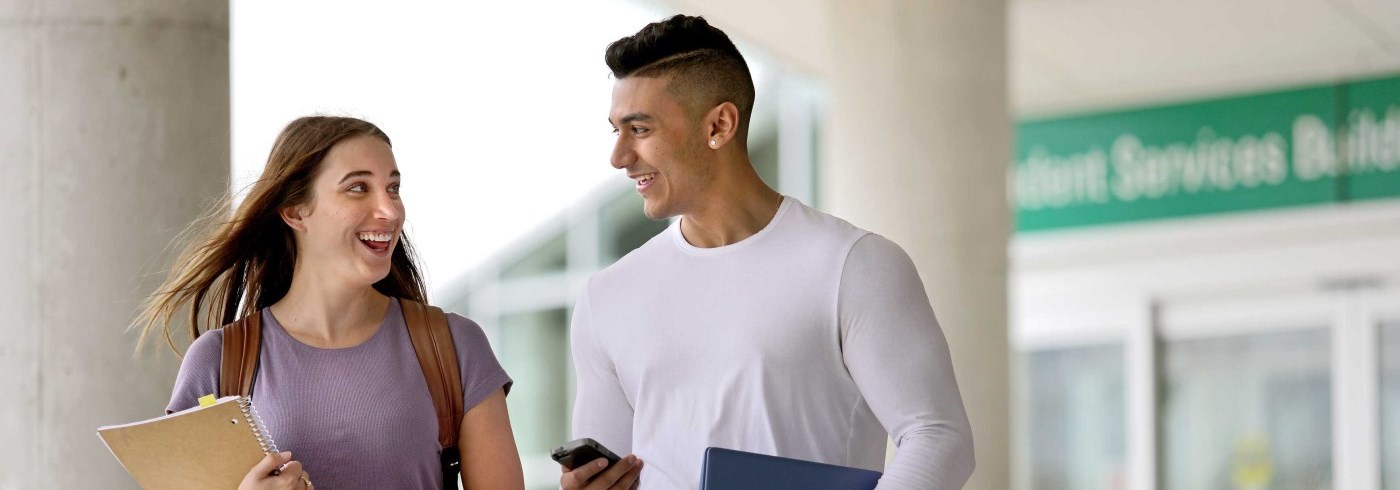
915 147
113 137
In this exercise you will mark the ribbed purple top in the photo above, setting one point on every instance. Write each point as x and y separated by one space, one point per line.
358 417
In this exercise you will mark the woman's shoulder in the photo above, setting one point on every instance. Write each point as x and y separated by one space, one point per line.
482 373
199 371
205 350
467 335
465 331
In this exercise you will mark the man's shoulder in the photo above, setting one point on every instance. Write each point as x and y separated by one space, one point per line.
822 236
821 222
639 259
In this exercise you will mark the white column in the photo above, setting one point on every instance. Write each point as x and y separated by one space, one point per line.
1140 385
916 147
114 136
1356 454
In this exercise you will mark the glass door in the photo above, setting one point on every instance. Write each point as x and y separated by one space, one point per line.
1245 394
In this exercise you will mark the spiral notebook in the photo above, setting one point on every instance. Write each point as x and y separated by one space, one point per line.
210 446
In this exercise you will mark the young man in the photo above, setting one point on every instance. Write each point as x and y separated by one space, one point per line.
754 322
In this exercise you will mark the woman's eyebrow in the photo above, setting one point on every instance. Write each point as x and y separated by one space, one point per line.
364 173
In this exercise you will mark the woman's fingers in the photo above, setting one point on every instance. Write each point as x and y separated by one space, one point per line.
271 463
291 477
292 471
268 468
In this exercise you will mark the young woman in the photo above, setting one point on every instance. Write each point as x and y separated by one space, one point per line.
317 249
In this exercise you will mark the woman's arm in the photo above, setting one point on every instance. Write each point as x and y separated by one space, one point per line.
489 457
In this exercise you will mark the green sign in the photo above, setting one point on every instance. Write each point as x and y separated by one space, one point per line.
1224 155
1370 153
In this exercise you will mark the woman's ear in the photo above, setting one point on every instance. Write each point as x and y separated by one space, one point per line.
293 217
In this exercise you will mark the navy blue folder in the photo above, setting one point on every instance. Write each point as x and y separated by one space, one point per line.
727 469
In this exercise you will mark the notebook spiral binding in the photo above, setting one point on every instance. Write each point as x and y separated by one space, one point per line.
255 422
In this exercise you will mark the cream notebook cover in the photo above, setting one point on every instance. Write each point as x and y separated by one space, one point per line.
209 447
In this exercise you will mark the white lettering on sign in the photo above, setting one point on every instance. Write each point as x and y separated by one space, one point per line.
1369 143
1372 145
1208 164
1047 181
1314 154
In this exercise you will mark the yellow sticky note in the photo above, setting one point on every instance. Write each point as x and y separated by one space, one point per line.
206 400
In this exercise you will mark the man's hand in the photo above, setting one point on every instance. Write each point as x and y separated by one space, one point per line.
596 475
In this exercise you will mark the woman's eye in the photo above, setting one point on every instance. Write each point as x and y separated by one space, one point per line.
357 188
394 189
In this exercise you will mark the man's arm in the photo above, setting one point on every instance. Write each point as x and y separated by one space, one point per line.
601 409
897 354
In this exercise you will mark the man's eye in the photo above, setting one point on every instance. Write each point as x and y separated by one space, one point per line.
394 188
638 130
615 131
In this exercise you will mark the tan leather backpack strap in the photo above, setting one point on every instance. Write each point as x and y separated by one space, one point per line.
437 356
239 362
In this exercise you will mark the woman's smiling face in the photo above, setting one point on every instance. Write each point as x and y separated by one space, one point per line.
353 221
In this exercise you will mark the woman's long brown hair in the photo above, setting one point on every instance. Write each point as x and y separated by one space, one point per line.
238 265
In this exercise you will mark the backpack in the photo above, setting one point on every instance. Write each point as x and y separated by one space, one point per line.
437 356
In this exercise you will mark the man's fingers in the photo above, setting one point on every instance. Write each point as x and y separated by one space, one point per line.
597 475
629 479
610 476
578 477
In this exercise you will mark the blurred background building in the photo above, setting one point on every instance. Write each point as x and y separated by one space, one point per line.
1163 238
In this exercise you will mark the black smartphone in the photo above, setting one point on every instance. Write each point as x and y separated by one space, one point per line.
579 452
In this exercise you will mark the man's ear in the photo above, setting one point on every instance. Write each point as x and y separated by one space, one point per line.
721 125
293 217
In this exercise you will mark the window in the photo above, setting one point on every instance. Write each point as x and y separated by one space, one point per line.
1250 411
1390 404
1074 407
534 351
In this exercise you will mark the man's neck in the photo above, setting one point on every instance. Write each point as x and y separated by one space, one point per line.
743 208
319 312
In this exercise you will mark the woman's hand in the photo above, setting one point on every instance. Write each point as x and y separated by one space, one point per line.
291 476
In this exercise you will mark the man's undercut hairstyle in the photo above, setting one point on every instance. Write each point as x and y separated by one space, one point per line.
703 66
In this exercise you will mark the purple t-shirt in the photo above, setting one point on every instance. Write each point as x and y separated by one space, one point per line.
358 417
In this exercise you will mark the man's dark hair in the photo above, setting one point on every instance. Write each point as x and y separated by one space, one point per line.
703 65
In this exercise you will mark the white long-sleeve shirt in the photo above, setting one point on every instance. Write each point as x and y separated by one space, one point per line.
811 339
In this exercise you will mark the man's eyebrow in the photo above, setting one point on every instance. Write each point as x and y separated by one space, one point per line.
633 117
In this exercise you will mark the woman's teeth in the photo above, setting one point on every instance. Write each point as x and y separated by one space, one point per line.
375 237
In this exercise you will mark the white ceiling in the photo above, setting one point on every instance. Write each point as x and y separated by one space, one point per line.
1082 55
1078 55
